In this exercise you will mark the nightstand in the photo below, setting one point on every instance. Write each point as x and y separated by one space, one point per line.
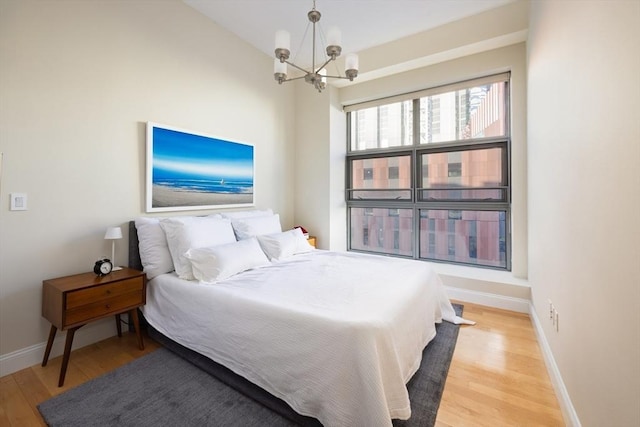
73 301
312 241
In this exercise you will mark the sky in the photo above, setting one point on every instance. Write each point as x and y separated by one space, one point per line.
179 154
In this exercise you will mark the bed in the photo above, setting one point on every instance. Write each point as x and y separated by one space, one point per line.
336 336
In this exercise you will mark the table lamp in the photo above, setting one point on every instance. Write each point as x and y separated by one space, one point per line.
113 233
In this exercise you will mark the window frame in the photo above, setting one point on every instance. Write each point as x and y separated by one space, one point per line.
416 151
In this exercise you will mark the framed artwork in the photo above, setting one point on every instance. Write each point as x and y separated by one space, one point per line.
190 171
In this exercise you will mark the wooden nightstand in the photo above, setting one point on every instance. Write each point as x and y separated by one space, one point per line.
71 302
312 241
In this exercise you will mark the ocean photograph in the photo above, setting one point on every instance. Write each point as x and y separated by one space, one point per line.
191 171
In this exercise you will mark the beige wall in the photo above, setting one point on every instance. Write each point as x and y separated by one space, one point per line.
78 82
584 199
320 161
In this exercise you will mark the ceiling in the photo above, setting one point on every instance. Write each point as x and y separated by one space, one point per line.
363 23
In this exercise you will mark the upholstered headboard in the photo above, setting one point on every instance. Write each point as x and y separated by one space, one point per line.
134 251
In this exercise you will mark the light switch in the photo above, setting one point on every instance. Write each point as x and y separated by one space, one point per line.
18 201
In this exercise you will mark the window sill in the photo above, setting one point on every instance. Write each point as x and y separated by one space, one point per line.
477 273
483 285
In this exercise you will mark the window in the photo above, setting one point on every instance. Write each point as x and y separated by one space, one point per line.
376 182
438 190
454 170
394 172
367 174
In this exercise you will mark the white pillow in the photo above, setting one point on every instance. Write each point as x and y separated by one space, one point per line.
247 214
256 226
279 246
223 261
152 245
184 233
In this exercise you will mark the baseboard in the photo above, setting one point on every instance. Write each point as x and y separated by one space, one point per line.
32 355
568 411
519 305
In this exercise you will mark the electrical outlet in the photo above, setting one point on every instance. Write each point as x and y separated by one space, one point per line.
553 315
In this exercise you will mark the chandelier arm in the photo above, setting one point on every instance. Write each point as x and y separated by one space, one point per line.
337 77
323 65
292 79
295 66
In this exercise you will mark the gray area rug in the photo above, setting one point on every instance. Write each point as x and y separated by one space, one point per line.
163 389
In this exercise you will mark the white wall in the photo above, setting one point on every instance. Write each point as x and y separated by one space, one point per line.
78 82
584 199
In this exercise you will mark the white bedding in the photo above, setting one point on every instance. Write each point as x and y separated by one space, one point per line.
335 335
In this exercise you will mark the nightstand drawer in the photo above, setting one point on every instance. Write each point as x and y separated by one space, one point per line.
102 292
102 308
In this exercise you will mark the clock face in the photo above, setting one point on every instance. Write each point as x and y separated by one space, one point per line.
105 267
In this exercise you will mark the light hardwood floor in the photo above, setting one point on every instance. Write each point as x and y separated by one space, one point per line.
497 376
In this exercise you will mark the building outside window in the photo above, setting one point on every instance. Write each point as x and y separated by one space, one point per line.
439 190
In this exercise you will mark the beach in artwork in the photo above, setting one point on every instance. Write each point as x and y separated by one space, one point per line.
194 170
164 197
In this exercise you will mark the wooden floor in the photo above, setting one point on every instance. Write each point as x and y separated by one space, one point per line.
497 376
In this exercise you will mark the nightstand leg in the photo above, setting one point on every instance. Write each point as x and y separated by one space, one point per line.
118 325
136 324
47 351
67 353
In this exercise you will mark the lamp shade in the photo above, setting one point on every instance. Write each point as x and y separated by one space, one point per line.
334 37
279 67
283 39
351 62
113 233
323 75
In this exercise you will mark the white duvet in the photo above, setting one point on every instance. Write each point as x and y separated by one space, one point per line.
335 335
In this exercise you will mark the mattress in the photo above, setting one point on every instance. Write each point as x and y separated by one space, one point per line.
336 335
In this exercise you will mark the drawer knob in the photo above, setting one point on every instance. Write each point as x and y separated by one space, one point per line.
107 306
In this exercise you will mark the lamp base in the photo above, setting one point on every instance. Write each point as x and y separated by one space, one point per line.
116 268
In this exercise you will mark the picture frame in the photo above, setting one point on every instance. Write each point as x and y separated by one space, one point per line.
187 170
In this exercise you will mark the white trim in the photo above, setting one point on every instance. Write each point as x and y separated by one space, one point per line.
32 355
568 411
492 300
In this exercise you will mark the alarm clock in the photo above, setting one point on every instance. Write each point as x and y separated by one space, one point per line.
102 267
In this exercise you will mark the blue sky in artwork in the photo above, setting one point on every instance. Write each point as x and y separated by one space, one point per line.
179 155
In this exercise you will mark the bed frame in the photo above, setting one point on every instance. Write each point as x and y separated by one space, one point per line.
220 372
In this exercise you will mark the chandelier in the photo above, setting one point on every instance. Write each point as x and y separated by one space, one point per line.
317 75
